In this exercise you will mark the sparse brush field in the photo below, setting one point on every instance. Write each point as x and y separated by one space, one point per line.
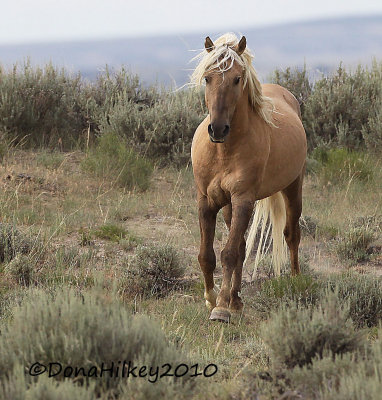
99 242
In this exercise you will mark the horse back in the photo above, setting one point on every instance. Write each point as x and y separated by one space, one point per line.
281 95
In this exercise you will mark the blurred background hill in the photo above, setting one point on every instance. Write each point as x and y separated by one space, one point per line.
322 44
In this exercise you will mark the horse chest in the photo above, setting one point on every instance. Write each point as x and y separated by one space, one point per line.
221 188
216 193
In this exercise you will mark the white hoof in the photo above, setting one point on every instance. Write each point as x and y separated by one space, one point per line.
211 297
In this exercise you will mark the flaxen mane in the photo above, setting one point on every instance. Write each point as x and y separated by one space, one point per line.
222 58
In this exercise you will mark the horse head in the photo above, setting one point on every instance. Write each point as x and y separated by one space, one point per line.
224 86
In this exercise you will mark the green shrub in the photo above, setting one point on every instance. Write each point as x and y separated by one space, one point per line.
325 372
45 388
362 380
84 331
329 231
41 106
353 244
372 222
294 288
153 271
112 159
304 382
112 86
67 257
339 166
14 242
111 232
352 375
363 294
341 109
296 81
358 385
275 292
308 225
48 106
163 130
86 237
372 135
296 335
21 268
130 242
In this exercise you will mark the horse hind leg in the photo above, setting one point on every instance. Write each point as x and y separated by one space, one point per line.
293 205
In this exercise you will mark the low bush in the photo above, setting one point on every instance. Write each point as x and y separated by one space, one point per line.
306 382
67 257
21 268
14 242
162 131
16 388
362 380
296 81
308 225
358 385
353 245
48 106
362 293
84 331
296 335
275 292
372 222
41 106
111 232
112 159
153 271
343 108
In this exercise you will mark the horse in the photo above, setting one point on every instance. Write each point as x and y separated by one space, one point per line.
248 153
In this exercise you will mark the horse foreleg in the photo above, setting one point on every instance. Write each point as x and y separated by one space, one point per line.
207 258
235 302
293 205
231 257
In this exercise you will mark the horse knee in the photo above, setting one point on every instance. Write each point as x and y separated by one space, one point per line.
229 257
207 260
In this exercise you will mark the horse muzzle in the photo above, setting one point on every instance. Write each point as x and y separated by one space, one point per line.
218 132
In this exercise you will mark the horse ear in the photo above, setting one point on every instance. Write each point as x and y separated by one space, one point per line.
209 44
241 46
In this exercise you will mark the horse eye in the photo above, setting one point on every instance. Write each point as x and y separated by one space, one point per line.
207 79
237 80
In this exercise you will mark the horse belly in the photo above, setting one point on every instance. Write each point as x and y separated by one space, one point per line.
285 162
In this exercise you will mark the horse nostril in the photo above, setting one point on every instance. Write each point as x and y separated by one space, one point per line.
210 130
226 130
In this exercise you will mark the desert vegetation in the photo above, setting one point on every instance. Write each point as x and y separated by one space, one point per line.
99 241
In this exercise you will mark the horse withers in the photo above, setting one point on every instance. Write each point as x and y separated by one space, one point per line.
248 152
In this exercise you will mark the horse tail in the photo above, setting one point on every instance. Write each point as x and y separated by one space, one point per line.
272 208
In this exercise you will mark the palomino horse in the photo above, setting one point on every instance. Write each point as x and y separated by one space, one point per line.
251 146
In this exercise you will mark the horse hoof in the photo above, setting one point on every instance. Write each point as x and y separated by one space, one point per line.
220 314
